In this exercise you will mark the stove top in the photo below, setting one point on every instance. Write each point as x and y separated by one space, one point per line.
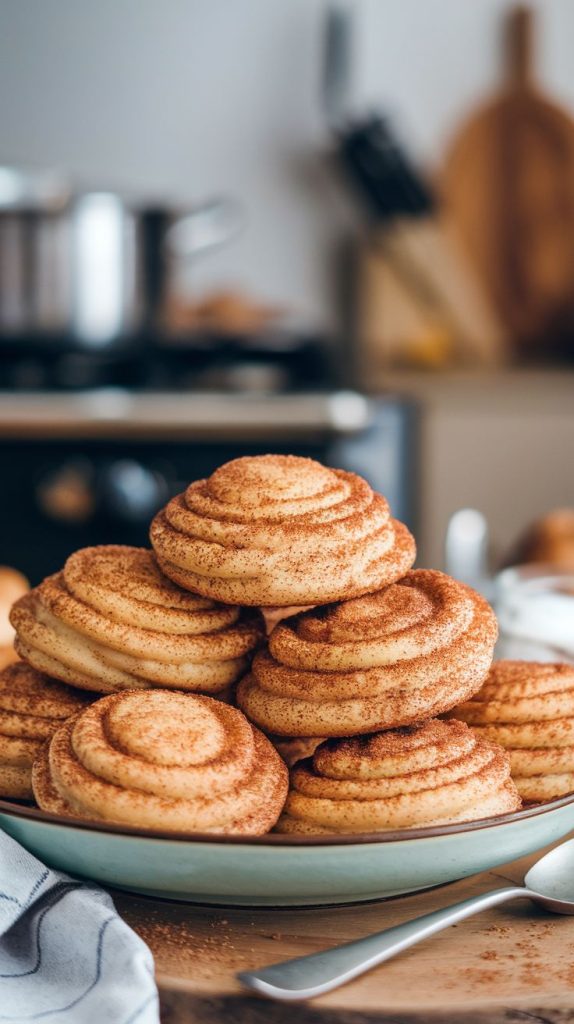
237 364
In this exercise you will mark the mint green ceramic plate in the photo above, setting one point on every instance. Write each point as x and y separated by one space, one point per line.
283 870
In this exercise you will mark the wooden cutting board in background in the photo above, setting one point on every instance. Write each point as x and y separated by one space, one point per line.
508 184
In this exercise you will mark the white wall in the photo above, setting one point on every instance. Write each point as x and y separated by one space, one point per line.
191 97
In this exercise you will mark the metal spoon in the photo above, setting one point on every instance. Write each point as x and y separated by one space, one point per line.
549 882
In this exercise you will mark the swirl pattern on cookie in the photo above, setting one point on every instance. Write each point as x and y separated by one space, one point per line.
163 760
32 707
398 656
280 530
528 707
430 774
111 621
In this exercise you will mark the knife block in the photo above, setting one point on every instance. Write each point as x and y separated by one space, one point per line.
418 302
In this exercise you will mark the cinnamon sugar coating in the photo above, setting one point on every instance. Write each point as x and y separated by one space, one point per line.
280 530
423 775
528 707
164 760
397 656
32 707
111 621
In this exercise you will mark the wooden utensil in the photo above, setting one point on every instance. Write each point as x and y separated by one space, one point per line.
508 183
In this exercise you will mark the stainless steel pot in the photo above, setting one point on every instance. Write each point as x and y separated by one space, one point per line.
93 265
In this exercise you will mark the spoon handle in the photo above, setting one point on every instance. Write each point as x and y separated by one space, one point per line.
312 975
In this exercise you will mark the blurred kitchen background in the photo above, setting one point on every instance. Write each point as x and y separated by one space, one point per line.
236 226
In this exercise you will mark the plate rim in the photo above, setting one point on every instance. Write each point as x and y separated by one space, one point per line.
272 839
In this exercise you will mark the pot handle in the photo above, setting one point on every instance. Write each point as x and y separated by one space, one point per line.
208 226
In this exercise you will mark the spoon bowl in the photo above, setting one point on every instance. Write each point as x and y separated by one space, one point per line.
550 880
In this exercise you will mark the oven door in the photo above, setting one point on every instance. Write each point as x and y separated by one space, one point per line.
94 469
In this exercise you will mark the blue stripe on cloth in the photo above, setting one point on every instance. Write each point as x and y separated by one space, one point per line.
66 957
58 895
154 998
26 903
37 885
12 899
78 1000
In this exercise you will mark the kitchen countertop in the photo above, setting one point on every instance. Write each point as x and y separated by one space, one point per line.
514 963
114 412
503 389
498 441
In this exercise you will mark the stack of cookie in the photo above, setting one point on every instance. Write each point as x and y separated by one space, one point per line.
528 708
356 681
112 621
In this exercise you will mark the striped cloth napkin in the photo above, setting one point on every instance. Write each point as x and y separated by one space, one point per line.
65 954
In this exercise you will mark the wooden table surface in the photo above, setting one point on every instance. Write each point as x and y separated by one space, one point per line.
514 963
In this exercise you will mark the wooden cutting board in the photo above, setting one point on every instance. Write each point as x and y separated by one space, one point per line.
511 965
508 183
